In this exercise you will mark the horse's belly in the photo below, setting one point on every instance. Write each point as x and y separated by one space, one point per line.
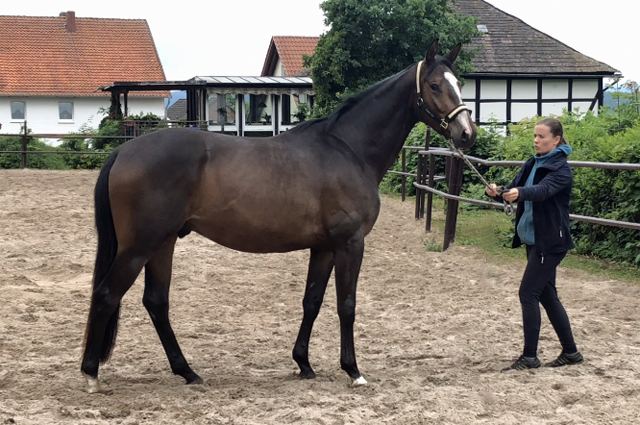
260 233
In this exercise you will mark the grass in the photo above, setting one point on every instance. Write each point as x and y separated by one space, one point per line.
491 231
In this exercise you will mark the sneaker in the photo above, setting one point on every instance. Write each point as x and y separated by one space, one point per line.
566 359
523 363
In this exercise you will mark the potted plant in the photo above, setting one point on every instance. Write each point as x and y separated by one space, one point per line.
303 112
267 118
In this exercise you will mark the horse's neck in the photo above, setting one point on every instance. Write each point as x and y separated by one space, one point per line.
377 126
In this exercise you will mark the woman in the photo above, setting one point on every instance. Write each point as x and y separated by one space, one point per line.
543 190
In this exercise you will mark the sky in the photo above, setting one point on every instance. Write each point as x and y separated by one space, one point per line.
231 37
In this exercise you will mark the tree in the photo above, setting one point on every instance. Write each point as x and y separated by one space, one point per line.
370 40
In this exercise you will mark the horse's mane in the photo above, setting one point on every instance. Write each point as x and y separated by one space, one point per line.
347 104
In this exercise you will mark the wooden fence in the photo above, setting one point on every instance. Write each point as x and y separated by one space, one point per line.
425 187
425 178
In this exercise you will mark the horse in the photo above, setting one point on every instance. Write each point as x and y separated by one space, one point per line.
313 187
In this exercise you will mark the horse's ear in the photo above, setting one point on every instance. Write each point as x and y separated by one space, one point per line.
453 54
431 53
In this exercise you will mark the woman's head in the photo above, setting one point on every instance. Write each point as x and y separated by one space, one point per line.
548 135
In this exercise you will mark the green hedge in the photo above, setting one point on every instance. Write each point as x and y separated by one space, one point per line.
42 161
613 136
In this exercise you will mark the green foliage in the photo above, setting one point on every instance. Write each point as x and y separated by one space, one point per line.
303 112
39 161
393 182
604 193
370 40
611 194
124 129
144 123
486 146
86 160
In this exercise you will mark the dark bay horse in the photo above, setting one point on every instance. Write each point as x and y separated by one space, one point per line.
314 187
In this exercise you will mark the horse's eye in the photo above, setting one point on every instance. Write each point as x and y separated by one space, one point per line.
434 87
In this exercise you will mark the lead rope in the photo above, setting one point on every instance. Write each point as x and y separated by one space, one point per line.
507 206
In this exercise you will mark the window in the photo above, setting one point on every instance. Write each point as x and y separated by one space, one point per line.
18 110
222 109
65 110
286 109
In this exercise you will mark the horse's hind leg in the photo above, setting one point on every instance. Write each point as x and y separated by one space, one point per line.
103 313
320 267
156 300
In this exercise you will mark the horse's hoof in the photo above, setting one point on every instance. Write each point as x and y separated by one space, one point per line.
359 382
307 375
93 384
196 381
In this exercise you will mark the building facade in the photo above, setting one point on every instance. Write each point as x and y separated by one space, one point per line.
53 88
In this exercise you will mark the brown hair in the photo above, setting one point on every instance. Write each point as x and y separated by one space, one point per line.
555 127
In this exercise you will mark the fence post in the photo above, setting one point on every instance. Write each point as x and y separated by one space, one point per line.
429 195
24 146
404 177
431 183
455 186
418 191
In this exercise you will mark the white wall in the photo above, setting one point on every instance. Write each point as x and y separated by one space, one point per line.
42 114
554 97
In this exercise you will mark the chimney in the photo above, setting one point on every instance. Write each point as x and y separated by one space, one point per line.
71 20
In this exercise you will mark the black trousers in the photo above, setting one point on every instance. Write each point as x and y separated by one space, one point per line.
539 287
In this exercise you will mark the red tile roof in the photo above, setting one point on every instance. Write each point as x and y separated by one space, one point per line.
39 56
290 51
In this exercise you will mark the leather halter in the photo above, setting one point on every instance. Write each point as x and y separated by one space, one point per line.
444 122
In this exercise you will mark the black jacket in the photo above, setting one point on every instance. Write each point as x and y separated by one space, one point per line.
550 196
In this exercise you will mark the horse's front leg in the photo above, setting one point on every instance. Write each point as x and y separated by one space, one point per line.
348 259
320 267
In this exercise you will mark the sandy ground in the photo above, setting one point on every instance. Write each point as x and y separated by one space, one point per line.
432 331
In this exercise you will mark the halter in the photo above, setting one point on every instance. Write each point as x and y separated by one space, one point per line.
444 122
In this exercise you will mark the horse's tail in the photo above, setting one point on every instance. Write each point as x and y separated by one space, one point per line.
107 249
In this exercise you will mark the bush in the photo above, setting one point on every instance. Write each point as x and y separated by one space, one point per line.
40 161
613 136
603 193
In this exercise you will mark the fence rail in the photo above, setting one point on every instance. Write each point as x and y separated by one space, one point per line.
131 129
422 175
422 189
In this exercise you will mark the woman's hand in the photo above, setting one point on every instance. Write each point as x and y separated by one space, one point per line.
492 190
511 195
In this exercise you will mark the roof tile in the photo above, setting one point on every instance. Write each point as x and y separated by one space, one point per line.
38 56
512 46
290 50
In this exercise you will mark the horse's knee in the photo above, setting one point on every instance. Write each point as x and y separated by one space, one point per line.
311 305
347 310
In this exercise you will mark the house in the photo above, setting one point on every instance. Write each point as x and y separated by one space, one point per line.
285 56
519 71
285 59
51 68
245 106
177 111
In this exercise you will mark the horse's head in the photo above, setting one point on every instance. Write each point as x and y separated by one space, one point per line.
439 98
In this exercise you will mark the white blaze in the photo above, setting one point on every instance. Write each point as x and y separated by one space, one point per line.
454 83
463 119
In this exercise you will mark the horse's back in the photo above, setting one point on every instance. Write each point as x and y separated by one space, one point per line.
250 194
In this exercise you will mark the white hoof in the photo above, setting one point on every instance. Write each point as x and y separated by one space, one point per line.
359 382
93 385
